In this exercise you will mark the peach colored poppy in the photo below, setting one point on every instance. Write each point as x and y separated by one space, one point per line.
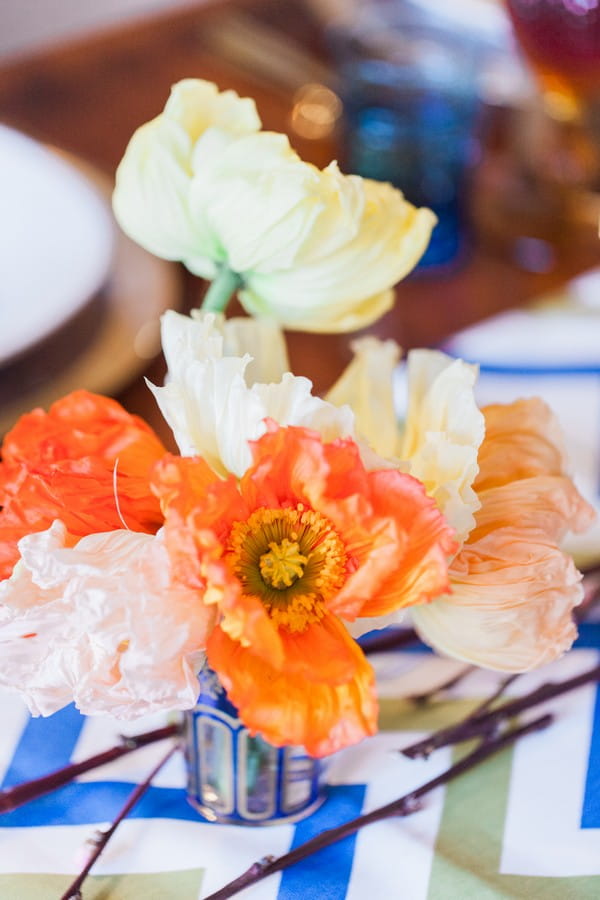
306 539
513 589
72 463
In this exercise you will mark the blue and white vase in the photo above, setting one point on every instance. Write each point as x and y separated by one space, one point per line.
236 778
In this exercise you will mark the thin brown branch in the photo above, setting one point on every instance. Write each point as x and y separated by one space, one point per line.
401 807
102 838
484 723
13 797
427 696
489 701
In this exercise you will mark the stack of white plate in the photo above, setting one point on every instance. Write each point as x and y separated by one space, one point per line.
56 243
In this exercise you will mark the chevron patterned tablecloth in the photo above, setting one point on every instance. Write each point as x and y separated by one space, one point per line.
524 824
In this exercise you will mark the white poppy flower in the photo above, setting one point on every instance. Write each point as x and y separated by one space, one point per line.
99 621
211 400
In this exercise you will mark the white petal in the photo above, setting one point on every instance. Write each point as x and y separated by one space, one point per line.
202 336
443 432
212 405
291 403
111 632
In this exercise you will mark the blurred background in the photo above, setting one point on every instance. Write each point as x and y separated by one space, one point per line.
488 111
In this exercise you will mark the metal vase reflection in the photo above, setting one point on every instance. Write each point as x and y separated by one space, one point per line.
236 778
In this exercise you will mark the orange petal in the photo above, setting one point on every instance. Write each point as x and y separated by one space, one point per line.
288 465
180 481
200 508
407 562
286 709
549 505
323 652
61 465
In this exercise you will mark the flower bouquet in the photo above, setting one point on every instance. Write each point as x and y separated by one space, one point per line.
289 525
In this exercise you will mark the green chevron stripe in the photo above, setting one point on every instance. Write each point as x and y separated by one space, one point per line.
183 885
469 844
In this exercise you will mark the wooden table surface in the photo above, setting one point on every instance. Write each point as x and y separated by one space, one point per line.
88 97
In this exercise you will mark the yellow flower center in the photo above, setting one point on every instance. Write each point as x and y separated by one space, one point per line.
283 564
292 559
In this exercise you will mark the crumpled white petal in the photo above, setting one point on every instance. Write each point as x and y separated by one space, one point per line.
213 406
201 336
98 621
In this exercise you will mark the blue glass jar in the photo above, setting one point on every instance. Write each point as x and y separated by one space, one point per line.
236 778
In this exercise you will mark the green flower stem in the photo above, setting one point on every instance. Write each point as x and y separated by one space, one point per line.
221 290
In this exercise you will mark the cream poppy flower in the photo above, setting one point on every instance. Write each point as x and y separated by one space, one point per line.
315 250
100 621
499 476
443 430
212 401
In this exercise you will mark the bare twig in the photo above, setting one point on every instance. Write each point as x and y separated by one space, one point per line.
484 722
427 696
401 807
102 838
489 701
13 797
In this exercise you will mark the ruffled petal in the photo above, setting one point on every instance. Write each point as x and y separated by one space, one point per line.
100 622
86 461
366 386
513 590
523 439
443 432
511 604
350 287
211 403
264 203
318 715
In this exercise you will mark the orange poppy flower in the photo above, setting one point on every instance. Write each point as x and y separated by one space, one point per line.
72 463
307 538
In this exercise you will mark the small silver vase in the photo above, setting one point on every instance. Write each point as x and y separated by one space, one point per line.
236 778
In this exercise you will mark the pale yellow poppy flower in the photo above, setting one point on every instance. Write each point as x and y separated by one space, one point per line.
312 249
